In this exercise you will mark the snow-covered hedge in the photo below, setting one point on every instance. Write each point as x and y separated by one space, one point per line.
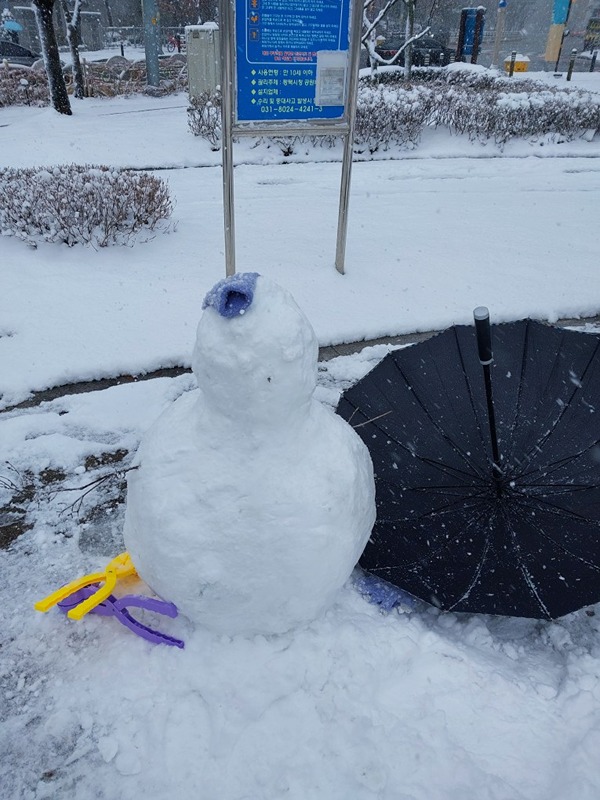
480 103
23 86
384 114
77 204
120 76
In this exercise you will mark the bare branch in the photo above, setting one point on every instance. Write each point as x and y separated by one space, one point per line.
87 488
373 419
74 21
369 26
391 61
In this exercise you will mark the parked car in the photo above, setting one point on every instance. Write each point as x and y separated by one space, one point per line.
425 51
17 54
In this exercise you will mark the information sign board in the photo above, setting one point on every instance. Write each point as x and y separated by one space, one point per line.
291 60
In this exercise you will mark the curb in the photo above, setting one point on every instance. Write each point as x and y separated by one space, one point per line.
325 354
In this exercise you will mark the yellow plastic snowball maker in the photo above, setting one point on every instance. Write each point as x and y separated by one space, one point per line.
119 567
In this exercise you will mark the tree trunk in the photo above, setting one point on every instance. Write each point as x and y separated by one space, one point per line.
410 27
71 21
109 16
56 80
207 11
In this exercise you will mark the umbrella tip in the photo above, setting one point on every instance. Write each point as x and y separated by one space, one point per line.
481 312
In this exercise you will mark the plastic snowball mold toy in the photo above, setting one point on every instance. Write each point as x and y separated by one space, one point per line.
119 567
93 593
113 607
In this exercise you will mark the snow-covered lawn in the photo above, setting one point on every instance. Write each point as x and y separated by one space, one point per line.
413 705
432 234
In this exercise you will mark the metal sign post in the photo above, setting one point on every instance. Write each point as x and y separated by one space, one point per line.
499 35
288 69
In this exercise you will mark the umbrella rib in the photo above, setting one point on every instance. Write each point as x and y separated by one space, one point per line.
442 547
544 438
522 567
445 509
436 425
477 491
436 464
529 455
556 488
450 470
475 578
443 489
521 381
559 511
565 549
372 421
555 465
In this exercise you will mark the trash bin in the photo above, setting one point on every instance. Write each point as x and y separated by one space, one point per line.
521 63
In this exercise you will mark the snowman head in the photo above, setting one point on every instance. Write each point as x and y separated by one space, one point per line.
256 353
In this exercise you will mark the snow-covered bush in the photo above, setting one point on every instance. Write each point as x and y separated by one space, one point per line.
383 115
477 102
78 204
23 86
481 104
204 117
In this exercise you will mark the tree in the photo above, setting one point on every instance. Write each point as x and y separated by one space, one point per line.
208 10
72 23
177 13
56 80
109 16
369 37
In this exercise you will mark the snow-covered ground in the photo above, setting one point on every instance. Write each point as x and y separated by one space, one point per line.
412 705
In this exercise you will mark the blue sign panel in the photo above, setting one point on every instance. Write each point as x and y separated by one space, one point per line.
561 11
469 30
291 59
470 17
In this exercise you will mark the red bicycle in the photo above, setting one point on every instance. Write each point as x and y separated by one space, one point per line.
175 43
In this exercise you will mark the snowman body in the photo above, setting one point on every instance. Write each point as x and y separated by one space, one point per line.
251 502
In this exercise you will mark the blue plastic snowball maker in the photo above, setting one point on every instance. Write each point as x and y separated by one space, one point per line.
232 296
381 593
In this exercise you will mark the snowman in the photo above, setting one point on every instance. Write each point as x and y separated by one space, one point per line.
251 502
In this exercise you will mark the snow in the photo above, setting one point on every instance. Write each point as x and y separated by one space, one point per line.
472 227
413 704
250 502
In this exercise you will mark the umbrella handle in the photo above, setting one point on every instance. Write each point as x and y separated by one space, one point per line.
484 335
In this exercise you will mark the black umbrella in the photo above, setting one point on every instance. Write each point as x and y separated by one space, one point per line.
489 506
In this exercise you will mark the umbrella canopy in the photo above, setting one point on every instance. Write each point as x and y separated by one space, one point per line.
486 506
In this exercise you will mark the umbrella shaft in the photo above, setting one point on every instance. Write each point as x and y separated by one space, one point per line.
492 420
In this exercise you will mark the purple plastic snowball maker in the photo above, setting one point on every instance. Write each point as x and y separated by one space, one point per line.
113 607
